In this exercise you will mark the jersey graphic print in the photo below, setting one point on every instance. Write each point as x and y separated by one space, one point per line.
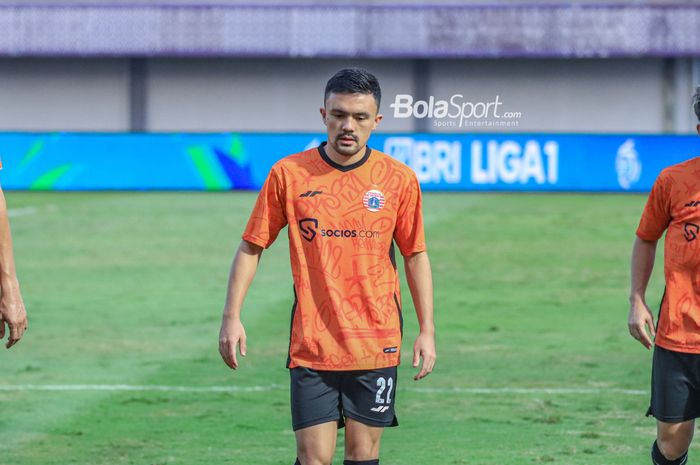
674 206
348 305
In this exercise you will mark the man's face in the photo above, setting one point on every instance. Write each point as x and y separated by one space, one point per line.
349 120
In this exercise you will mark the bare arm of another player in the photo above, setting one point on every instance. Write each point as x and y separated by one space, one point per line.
420 281
12 310
643 254
232 333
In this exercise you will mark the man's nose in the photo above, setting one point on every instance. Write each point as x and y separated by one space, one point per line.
346 124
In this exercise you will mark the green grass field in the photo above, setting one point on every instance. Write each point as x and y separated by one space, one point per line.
535 364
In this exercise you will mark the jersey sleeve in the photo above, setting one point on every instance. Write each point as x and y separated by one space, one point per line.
409 233
657 212
268 216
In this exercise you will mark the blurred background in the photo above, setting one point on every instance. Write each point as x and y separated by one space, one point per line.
99 65
101 100
118 67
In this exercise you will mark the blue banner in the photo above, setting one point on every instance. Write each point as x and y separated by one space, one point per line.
442 162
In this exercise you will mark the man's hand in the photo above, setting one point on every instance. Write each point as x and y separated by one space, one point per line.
232 335
12 313
424 348
639 319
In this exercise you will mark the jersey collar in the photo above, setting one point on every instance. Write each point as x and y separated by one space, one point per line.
357 164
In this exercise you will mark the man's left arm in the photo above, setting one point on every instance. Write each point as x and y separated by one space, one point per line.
12 310
420 281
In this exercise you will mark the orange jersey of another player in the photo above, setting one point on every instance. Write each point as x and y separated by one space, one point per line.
342 224
674 206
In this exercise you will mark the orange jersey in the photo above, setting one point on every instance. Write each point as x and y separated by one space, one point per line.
674 206
342 223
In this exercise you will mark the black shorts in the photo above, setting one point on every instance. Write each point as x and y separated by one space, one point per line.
675 386
366 396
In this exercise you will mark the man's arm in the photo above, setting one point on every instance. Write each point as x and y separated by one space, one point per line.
420 281
12 311
643 254
232 333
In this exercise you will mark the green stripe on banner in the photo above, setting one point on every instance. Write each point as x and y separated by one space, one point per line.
49 179
210 172
32 152
237 150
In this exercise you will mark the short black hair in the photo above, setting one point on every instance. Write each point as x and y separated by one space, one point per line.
696 102
353 81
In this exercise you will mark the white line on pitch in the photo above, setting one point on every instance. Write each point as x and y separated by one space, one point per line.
130 387
273 387
22 211
507 390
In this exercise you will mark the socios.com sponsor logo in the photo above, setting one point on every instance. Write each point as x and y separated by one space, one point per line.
363 234
310 229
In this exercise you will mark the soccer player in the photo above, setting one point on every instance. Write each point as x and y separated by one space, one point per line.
673 206
345 205
13 316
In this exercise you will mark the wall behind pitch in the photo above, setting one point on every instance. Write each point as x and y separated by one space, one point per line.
448 162
67 94
256 94
592 96
264 94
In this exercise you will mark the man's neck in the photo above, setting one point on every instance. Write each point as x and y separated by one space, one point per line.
344 160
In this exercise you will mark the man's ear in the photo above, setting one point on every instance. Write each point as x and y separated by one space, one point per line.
377 119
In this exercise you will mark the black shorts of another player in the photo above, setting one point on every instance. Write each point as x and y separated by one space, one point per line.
366 396
675 386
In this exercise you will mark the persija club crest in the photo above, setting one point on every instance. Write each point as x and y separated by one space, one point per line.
373 200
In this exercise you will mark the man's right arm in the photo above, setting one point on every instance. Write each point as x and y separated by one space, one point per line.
12 311
640 317
232 333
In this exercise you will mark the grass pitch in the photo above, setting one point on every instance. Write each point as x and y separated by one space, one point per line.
534 361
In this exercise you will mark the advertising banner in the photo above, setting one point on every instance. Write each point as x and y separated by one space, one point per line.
442 162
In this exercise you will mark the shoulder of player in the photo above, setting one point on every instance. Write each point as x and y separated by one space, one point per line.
681 169
293 162
675 180
684 171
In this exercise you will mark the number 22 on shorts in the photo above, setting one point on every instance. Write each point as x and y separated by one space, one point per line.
383 384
